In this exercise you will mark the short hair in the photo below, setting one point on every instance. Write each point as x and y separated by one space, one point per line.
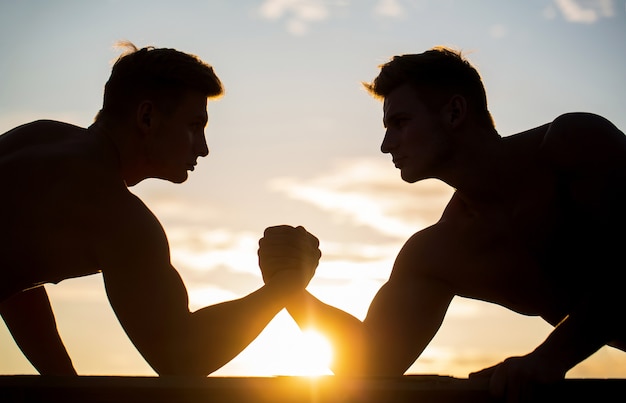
161 74
436 75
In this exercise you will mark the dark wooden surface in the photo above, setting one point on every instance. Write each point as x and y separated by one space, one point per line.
328 389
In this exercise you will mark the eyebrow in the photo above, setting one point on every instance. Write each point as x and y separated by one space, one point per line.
387 119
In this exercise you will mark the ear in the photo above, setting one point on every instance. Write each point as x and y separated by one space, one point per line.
455 111
145 116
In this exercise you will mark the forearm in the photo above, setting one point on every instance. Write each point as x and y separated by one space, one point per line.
216 334
576 338
345 333
30 320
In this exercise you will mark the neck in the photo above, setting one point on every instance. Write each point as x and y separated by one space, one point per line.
477 167
119 151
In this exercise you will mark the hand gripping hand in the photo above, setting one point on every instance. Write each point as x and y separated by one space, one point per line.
285 248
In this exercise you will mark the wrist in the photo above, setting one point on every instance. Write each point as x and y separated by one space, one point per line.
552 360
572 341
287 282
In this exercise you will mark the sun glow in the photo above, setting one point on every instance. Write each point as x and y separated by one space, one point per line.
282 349
317 354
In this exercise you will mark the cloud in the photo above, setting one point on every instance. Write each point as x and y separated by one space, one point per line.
299 13
498 31
205 295
585 11
203 250
389 8
369 193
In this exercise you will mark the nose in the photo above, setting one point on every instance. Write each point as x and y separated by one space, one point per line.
389 142
202 147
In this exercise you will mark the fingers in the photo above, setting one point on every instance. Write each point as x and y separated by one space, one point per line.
275 229
287 234
284 247
311 238
498 382
483 373
280 229
514 380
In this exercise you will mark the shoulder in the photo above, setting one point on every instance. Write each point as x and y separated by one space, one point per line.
46 125
576 139
130 237
37 132
583 127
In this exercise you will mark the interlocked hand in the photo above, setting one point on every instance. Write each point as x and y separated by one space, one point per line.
284 247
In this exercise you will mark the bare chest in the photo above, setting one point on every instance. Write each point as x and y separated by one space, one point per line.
46 238
502 253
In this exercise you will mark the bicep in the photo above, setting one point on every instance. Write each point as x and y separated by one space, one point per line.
146 298
145 291
402 319
151 307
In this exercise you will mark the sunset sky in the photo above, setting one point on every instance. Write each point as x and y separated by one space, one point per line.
296 140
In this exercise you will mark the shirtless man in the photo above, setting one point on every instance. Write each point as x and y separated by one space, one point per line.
66 211
536 224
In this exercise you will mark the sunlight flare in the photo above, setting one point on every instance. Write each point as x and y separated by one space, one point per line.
317 353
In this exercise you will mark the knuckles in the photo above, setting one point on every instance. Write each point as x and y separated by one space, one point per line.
288 235
284 247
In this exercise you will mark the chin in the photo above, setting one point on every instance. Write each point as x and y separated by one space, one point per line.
407 177
179 180
175 179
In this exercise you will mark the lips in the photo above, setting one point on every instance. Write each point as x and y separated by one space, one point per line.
397 161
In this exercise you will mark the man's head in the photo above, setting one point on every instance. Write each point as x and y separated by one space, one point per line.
160 75
436 75
160 95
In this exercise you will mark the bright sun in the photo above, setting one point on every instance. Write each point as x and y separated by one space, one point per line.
283 349
317 354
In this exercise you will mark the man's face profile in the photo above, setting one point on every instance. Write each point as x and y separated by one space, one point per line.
179 139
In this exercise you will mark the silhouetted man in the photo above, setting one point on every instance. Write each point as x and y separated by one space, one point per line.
66 212
536 224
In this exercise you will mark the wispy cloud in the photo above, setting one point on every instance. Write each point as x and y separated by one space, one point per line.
498 31
299 14
389 8
585 11
370 193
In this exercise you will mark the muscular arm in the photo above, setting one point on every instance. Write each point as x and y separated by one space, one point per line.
572 341
589 154
150 300
175 341
29 317
577 337
401 321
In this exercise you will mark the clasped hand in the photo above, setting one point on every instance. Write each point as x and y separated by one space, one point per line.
288 250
